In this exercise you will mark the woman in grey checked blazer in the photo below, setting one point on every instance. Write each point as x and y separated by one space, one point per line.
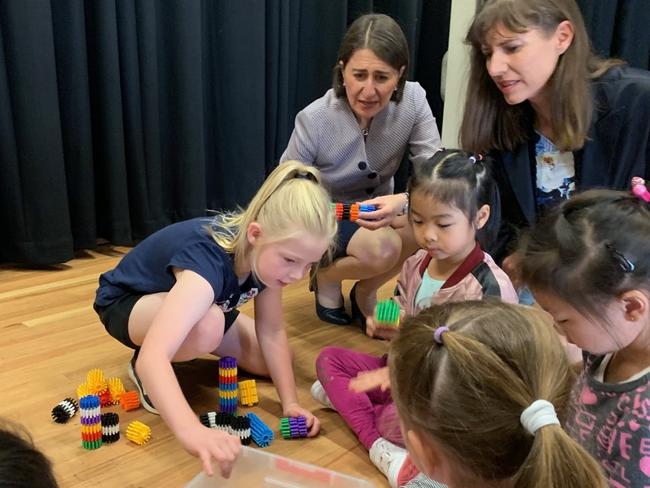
357 135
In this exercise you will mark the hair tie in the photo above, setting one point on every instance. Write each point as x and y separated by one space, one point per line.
305 175
538 414
476 158
437 335
639 189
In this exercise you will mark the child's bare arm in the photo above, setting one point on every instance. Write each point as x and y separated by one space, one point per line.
185 305
272 337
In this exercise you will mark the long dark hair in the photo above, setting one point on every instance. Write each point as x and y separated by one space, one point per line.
489 123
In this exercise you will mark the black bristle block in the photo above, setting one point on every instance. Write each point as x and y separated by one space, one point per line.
64 411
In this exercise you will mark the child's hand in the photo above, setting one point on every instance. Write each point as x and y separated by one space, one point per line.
208 444
378 331
371 380
313 424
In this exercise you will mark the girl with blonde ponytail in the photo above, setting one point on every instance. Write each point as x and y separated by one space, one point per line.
174 297
481 389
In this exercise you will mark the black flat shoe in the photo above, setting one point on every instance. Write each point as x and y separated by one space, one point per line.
356 311
336 316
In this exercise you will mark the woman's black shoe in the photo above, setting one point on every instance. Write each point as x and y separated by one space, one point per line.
356 311
337 316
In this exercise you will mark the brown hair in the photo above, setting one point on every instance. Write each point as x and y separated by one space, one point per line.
468 393
489 123
384 37
584 250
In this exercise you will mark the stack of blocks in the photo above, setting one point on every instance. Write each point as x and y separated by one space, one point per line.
228 384
350 211
91 426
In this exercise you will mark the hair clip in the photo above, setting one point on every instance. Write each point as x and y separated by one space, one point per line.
639 189
625 264
437 335
304 175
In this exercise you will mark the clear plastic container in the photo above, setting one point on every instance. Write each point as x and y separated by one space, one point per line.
255 468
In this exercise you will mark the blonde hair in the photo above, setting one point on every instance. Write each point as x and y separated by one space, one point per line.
489 123
290 200
468 393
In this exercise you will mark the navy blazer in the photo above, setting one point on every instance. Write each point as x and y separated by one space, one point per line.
617 148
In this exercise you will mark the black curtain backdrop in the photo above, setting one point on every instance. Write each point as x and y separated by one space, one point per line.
118 117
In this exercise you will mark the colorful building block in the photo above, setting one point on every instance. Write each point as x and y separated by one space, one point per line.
248 393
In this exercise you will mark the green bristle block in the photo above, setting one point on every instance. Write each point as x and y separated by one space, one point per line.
387 313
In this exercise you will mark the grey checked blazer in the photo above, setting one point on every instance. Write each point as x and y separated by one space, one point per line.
327 135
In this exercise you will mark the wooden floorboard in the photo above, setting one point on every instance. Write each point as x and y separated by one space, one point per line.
50 337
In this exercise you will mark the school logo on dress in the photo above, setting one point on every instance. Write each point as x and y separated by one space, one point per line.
243 298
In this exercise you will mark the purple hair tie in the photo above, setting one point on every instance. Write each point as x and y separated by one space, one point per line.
437 335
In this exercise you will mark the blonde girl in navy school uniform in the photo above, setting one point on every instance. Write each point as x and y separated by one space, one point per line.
174 298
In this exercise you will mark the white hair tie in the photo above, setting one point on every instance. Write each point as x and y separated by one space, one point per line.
538 414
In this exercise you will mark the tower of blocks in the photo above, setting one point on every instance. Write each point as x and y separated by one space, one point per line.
293 427
248 393
91 425
228 384
350 211
387 313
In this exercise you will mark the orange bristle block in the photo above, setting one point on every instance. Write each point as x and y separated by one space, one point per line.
129 400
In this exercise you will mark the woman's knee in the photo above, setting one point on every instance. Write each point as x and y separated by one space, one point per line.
380 252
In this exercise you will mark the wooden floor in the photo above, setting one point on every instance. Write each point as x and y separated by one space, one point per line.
50 337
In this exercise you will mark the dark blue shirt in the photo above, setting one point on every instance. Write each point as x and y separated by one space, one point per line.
148 267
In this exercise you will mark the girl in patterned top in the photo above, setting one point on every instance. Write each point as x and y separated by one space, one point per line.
588 265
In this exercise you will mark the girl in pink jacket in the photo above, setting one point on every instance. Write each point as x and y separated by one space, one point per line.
454 212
